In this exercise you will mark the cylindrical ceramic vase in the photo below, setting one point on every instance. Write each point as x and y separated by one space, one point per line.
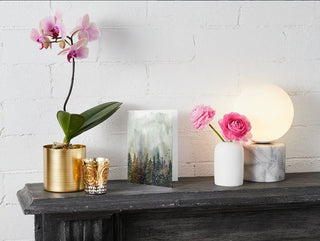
228 164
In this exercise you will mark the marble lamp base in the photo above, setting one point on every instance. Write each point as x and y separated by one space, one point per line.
264 162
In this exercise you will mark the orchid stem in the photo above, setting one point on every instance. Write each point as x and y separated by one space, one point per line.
72 80
67 42
75 32
217 133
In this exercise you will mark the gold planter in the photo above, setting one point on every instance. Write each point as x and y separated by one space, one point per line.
62 168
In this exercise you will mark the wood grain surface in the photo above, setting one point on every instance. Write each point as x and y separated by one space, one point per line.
195 209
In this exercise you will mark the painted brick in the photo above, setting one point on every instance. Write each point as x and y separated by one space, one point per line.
1 119
204 169
18 240
106 14
303 43
294 77
193 14
191 79
33 117
302 142
102 143
303 165
186 169
104 81
21 81
233 46
2 189
146 44
1 46
277 13
118 173
14 224
306 109
16 181
24 152
14 39
15 16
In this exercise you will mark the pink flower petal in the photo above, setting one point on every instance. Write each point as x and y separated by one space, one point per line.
34 35
58 17
85 21
65 51
235 127
82 53
77 27
83 34
93 32
81 43
201 116
87 30
47 24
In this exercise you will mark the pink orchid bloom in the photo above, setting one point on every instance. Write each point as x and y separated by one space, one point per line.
53 26
40 38
79 50
86 29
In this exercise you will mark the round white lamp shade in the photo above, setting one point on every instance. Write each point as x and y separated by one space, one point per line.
269 109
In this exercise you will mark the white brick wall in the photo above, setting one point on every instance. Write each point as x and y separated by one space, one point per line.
151 55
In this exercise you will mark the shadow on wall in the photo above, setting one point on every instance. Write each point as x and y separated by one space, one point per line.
120 45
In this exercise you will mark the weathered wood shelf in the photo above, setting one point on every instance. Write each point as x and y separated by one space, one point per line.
194 209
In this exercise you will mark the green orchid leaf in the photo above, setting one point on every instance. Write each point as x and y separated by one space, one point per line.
70 123
95 110
96 115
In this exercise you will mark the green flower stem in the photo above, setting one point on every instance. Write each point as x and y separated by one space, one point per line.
217 133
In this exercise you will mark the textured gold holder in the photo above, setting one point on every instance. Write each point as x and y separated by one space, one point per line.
62 168
95 174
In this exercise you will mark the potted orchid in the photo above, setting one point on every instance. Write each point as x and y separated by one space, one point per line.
228 154
62 160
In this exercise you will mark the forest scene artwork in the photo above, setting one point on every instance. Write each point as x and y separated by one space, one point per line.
150 147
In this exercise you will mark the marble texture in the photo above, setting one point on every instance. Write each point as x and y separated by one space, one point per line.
264 162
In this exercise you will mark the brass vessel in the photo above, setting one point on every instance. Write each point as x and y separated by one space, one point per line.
62 168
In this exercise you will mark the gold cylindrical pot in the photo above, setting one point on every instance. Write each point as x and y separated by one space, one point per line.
62 168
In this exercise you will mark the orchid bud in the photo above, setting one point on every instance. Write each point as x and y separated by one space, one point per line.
46 45
62 44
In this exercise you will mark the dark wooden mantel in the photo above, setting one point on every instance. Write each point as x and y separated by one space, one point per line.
195 209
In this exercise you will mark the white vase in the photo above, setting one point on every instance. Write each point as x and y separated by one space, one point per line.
228 164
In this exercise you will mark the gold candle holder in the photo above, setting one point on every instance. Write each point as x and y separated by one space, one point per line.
95 174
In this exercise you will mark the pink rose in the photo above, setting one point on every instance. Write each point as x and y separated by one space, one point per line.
201 116
235 127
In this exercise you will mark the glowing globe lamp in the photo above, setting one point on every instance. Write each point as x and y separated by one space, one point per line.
270 111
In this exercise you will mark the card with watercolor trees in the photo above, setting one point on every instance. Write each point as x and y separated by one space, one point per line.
153 147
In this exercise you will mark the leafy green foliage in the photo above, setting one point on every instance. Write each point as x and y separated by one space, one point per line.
70 123
75 124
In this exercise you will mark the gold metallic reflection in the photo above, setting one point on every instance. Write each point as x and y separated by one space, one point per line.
62 168
95 173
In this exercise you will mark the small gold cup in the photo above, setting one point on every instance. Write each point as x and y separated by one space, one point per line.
95 174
